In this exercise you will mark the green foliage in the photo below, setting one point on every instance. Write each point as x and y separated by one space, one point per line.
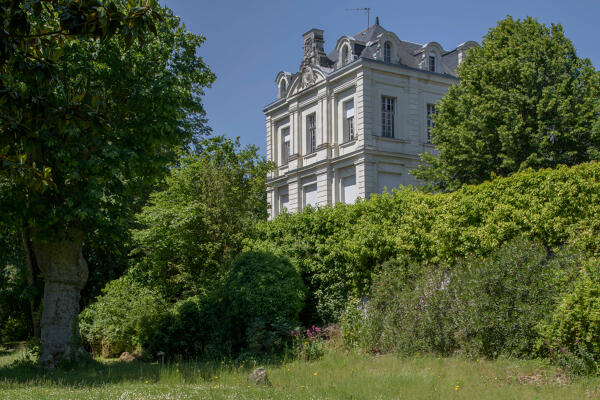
190 231
182 332
500 300
483 306
15 315
573 331
110 325
32 42
524 100
308 345
263 296
337 248
110 120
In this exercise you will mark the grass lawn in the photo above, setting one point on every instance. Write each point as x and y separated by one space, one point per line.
336 376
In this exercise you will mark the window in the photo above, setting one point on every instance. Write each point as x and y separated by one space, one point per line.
284 201
387 52
345 55
432 63
285 145
349 130
430 112
311 133
310 195
387 116
282 88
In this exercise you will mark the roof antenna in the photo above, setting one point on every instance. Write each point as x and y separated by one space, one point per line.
367 9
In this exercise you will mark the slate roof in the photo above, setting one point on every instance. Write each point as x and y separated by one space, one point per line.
410 53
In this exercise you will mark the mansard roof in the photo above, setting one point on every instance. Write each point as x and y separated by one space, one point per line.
366 45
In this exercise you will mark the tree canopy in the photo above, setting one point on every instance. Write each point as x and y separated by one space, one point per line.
96 98
192 229
525 99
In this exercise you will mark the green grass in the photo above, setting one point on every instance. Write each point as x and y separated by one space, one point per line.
336 376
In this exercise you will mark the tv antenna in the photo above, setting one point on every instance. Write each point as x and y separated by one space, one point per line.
367 9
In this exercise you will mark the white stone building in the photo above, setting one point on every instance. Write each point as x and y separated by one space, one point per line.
353 122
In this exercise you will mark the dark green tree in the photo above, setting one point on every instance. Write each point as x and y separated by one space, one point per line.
92 109
191 230
525 99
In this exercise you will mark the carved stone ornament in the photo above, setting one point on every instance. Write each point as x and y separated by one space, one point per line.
308 77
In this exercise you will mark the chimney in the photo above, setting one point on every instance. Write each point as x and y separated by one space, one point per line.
314 52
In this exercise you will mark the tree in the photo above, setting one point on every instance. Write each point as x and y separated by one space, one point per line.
524 100
86 126
190 231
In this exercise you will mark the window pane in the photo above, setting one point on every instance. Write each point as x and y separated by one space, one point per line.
387 116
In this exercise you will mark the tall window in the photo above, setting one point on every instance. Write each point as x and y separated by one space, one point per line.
311 133
388 104
430 113
349 130
432 63
387 52
282 88
285 145
345 55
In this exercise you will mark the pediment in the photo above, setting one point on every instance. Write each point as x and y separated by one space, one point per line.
308 77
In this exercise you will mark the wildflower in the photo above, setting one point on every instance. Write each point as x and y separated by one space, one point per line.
456 387
146 382
302 386
315 374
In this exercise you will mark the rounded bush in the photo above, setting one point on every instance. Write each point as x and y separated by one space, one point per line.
110 324
264 295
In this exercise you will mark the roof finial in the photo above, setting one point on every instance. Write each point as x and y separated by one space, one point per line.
376 20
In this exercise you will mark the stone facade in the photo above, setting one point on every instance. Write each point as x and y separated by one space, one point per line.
353 122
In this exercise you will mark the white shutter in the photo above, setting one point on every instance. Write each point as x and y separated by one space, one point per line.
350 189
310 195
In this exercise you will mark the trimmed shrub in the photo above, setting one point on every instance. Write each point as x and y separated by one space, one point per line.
337 248
110 325
264 295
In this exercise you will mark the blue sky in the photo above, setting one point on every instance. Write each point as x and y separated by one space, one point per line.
249 42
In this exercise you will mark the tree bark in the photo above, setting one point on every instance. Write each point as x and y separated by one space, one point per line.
65 274
30 281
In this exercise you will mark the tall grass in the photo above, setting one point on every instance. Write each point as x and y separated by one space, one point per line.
337 376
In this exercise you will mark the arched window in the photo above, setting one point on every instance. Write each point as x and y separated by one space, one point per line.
345 55
387 52
282 88
431 63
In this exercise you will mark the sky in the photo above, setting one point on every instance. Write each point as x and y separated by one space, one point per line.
249 42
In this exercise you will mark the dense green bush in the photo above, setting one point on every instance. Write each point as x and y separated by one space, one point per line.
110 325
499 301
185 331
337 248
573 331
404 313
482 306
264 295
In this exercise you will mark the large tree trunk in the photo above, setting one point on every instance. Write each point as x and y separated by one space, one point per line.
27 252
65 274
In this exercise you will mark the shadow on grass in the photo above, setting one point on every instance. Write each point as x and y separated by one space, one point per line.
97 373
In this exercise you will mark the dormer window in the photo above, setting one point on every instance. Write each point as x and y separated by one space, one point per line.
282 88
432 63
387 52
345 55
